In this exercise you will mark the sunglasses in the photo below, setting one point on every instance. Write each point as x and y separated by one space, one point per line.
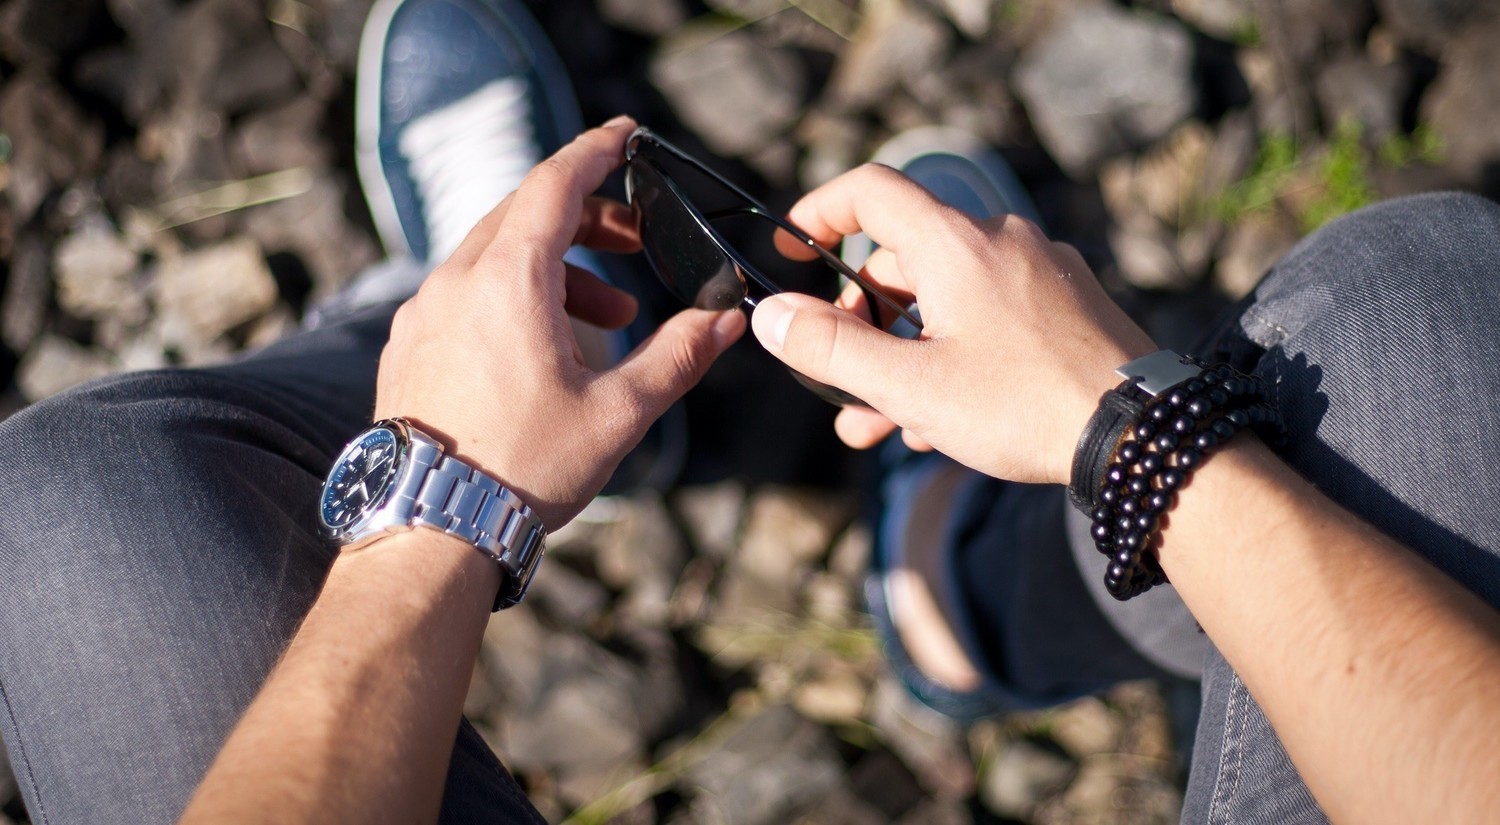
684 240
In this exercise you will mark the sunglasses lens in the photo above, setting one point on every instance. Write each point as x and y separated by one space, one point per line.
686 260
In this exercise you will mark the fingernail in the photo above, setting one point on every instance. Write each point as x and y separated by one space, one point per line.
772 320
727 327
617 120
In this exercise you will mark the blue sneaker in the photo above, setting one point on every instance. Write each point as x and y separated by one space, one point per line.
456 100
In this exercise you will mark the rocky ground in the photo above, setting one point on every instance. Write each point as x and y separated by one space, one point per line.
178 185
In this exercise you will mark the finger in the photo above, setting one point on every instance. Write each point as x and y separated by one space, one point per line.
915 442
590 299
853 301
891 208
884 271
831 346
608 226
549 202
669 363
862 428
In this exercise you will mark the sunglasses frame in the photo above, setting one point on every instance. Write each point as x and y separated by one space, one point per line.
873 296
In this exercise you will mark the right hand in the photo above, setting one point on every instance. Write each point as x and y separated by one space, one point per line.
1020 340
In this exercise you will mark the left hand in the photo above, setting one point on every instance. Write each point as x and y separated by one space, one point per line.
484 357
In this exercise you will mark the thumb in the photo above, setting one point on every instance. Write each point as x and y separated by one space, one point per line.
675 357
832 346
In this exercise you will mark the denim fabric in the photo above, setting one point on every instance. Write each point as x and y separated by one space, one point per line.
1378 336
159 549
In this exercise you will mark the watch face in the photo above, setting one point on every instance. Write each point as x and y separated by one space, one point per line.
360 478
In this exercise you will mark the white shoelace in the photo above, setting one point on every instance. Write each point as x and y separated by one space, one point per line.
467 156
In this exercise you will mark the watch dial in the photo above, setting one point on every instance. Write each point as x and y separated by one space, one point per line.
360 478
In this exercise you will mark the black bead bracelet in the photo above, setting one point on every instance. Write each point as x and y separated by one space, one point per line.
1128 467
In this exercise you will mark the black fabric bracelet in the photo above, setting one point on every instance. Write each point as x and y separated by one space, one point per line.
1096 447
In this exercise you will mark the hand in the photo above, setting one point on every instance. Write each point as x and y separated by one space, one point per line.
484 357
1019 339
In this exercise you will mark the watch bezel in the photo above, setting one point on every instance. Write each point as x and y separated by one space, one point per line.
370 514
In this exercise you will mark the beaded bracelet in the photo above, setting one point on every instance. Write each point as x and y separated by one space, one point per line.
1150 458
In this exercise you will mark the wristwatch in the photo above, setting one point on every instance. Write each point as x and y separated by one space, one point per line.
394 477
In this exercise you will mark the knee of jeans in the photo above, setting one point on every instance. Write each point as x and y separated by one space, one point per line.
1416 267
129 455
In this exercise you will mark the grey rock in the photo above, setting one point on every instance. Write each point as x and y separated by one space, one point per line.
712 514
205 293
569 599
28 290
53 143
584 722
938 812
898 45
1023 776
1352 88
314 227
1224 19
97 278
843 807
1431 24
1147 257
338 30
1303 32
1460 105
930 744
38 33
1106 81
567 703
775 764
1249 251
186 143
1161 233
972 17
1087 727
283 137
785 532
1281 104
643 554
732 91
115 75
54 364
657 17
226 59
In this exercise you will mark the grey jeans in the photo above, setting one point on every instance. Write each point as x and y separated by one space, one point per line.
158 544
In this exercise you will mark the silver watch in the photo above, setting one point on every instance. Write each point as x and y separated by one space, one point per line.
395 477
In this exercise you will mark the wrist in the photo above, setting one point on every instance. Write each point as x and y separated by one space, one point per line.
421 570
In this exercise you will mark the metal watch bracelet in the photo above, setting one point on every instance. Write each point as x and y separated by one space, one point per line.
444 493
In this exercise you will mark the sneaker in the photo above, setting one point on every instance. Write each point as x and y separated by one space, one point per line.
456 100
957 167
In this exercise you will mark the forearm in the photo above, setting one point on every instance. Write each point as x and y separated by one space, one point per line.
1376 670
357 721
